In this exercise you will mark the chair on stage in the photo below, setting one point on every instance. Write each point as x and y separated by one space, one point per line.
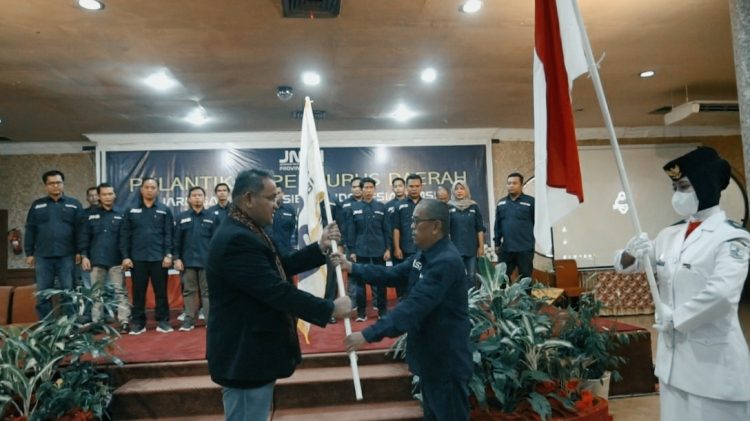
566 277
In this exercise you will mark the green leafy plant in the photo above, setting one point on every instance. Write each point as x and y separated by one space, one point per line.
516 356
48 369
593 346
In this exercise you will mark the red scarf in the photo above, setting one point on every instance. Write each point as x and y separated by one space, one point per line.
691 227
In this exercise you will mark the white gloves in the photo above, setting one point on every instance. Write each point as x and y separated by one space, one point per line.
640 246
665 325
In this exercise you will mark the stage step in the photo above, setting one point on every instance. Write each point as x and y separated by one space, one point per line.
407 410
123 374
308 388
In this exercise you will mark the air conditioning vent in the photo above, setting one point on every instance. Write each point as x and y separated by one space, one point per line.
661 110
705 113
311 8
317 114
720 107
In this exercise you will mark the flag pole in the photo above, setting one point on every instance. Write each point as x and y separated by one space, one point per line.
594 72
339 275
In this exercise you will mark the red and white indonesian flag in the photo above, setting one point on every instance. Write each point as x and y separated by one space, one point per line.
312 191
558 60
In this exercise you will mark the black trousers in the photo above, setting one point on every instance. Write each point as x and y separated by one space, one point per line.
142 271
445 400
523 260
332 287
378 293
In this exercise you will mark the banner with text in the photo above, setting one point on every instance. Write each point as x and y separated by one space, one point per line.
177 171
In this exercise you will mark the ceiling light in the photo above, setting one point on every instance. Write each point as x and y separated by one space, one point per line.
161 81
429 75
91 4
647 74
471 6
197 117
403 113
311 78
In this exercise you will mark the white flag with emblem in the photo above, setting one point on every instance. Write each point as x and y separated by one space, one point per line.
312 191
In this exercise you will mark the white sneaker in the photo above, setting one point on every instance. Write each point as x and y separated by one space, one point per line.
201 315
181 317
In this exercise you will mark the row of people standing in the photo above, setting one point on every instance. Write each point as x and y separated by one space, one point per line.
108 241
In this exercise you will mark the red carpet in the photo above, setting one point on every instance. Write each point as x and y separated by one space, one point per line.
153 346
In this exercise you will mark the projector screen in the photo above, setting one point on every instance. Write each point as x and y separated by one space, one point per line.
601 225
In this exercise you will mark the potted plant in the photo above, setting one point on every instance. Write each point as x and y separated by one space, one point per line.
48 369
593 346
523 371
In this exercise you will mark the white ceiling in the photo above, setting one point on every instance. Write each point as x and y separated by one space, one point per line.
66 72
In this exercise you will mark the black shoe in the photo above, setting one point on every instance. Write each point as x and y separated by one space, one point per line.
164 327
187 325
332 321
137 330
124 328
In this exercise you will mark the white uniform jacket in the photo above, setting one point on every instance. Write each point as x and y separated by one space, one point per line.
700 278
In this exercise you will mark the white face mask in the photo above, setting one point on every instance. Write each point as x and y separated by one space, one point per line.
685 204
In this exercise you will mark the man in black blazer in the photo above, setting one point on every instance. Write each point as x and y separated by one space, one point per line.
252 337
435 313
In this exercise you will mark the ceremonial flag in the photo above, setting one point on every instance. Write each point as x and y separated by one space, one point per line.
558 59
312 191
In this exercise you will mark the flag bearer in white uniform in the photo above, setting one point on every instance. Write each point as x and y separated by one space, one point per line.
702 358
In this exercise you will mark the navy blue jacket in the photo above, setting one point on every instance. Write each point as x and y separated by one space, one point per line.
284 228
402 222
435 313
219 212
192 233
146 235
346 213
514 223
336 212
369 229
390 207
465 225
54 229
102 239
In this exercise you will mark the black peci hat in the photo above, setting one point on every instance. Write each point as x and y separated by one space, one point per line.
707 171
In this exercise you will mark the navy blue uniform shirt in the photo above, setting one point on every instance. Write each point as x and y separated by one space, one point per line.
346 213
390 207
283 231
146 235
218 212
54 228
435 312
514 223
193 232
402 222
465 225
102 238
369 229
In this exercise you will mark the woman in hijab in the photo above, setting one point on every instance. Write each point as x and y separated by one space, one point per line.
467 228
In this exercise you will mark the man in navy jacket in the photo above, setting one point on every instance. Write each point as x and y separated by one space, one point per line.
435 314
54 236
252 336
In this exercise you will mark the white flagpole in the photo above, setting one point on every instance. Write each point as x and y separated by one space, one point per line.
339 275
594 72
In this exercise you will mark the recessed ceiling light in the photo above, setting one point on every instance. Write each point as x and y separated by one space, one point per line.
310 78
161 81
471 6
429 75
403 113
91 4
647 74
197 117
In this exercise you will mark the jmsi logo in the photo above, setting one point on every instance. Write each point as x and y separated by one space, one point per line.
291 159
